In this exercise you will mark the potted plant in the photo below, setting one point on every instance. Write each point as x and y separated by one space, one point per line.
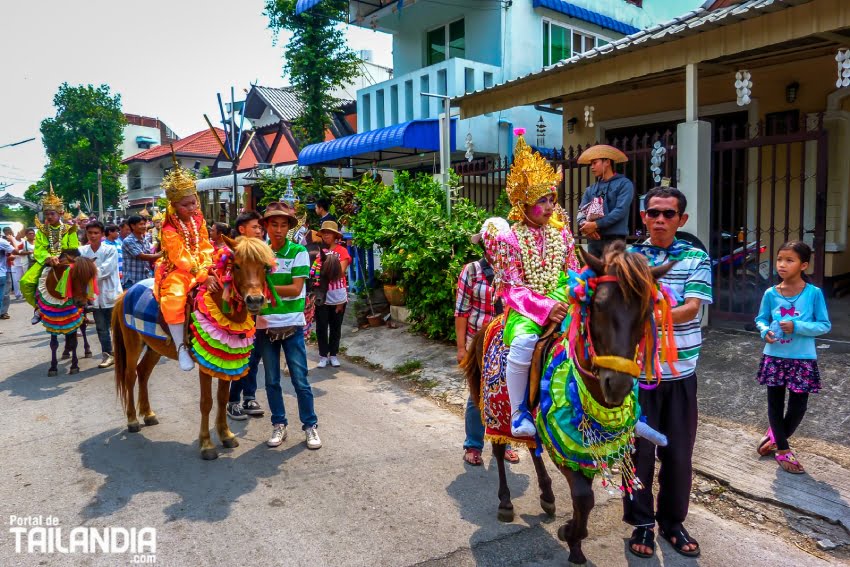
390 278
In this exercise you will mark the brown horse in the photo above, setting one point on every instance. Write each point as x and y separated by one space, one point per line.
619 312
251 260
62 311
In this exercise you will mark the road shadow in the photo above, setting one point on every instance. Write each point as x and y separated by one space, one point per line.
34 384
496 543
132 464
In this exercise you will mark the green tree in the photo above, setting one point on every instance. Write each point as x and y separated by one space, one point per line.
318 60
86 133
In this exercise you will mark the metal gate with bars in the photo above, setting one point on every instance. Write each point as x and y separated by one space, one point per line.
768 186
483 181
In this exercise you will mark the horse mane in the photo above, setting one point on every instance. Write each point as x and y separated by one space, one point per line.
331 267
635 278
83 273
250 249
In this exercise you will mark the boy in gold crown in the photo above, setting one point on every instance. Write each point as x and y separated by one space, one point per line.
186 256
530 258
50 239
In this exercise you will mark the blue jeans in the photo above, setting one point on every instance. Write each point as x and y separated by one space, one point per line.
295 352
103 325
474 426
246 387
5 290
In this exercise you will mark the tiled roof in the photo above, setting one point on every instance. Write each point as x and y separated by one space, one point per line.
199 144
692 23
580 13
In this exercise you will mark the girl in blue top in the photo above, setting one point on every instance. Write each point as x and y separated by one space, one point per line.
792 314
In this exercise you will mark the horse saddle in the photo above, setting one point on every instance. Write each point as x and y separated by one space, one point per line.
538 360
142 313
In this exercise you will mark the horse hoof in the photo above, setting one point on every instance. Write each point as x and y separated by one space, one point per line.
66 355
576 559
506 515
548 507
562 532
151 420
74 370
87 354
52 372
230 443
209 454
134 427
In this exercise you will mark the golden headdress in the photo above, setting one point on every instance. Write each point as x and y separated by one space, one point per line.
531 177
179 182
68 217
81 216
158 217
52 202
145 213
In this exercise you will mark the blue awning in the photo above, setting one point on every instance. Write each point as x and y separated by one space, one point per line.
304 5
574 11
403 140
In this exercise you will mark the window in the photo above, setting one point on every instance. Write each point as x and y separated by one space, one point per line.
446 42
561 42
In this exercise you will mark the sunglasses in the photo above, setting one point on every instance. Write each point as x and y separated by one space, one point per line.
655 213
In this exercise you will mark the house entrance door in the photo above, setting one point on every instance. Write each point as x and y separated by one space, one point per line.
768 186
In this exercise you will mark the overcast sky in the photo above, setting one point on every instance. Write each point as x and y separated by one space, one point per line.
167 59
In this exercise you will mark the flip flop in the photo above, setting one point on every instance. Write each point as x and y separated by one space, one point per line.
788 457
511 456
473 457
642 536
683 538
767 445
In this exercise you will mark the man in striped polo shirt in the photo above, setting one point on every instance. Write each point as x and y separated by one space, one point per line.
280 326
671 408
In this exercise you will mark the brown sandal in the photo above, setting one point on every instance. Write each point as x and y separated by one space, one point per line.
473 457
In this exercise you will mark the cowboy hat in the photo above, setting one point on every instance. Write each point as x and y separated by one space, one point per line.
601 151
277 209
330 226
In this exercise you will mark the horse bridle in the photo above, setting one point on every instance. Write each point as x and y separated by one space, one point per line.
609 362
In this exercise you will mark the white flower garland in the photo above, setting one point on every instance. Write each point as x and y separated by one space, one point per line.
541 268
192 239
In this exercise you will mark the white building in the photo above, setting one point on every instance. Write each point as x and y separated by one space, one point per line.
459 47
142 133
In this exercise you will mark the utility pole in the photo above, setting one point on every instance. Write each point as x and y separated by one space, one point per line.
99 196
445 146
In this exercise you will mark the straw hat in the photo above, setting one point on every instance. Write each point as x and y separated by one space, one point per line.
601 151
278 209
330 226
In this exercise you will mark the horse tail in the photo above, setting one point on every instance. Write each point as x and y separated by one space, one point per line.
471 366
119 351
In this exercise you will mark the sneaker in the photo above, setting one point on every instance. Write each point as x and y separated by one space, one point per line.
323 361
313 441
185 359
251 407
5 316
108 360
234 411
278 435
334 362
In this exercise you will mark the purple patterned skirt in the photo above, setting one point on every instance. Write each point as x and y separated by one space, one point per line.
798 375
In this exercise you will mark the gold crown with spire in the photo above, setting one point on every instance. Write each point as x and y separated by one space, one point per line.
52 201
179 182
158 217
81 216
531 177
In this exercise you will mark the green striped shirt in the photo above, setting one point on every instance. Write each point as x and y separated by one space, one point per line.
292 262
689 277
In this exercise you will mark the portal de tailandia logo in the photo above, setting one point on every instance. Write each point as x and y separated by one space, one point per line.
45 535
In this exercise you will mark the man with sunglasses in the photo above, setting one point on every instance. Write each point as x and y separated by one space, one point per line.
671 407
613 191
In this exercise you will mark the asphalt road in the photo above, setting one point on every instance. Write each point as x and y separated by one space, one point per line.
388 487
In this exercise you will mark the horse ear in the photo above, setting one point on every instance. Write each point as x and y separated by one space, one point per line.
659 272
231 243
589 259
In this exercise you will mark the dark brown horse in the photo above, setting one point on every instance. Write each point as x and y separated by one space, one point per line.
251 258
62 311
619 312
330 271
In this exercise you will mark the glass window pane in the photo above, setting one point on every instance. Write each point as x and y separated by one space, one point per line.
436 45
576 43
457 39
560 44
588 43
546 44
600 42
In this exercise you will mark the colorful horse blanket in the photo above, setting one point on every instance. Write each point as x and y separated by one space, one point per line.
59 316
495 403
